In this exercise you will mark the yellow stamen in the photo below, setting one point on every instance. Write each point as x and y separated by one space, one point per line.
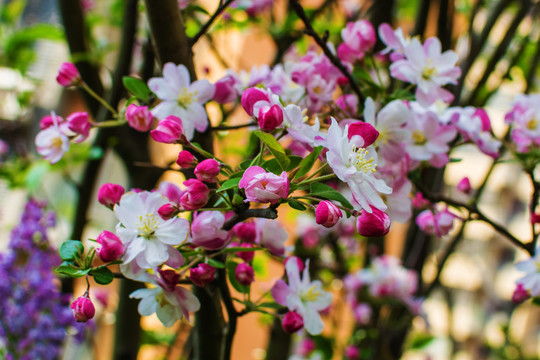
418 137
310 294
360 162
147 225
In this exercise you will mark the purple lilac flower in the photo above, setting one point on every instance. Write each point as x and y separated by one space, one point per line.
34 315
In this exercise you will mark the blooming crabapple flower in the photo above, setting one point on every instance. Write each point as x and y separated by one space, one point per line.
244 274
226 89
358 38
202 274
295 122
79 123
520 294
147 237
169 131
52 142
429 138
171 191
139 118
68 75
271 235
327 214
111 246
376 223
428 68
280 82
195 196
270 117
464 186
389 122
182 98
206 230
50 120
169 303
261 186
110 194
356 167
531 267
395 41
303 296
525 119
83 308
292 322
186 160
207 170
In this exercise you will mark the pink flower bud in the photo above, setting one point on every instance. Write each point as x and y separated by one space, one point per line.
168 279
169 131
426 222
111 246
167 211
444 222
327 214
365 131
83 309
292 322
79 123
110 194
520 294
244 274
270 117
195 196
375 224
186 160
419 201
68 75
348 103
202 274
465 186
207 170
247 256
48 121
246 231
299 262
306 347
225 90
252 96
207 230
351 352
261 186
535 218
139 118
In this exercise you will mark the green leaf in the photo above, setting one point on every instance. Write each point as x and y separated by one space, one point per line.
272 165
275 148
536 301
102 275
297 205
231 268
229 184
69 270
137 87
307 163
216 264
71 250
326 192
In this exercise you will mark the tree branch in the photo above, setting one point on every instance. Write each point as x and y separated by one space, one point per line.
204 29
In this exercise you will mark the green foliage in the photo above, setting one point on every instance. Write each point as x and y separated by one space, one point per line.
102 275
71 250
307 163
275 148
326 192
137 87
231 268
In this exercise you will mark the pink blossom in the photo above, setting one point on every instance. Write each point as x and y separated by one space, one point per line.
207 170
524 118
251 96
348 103
206 230
395 41
171 191
202 274
327 214
79 123
111 247
270 117
244 274
351 352
186 160
530 282
83 308
246 231
271 235
68 75
226 89
362 313
52 143
376 223
292 322
169 131
110 194
195 196
438 224
139 117
358 38
464 186
182 98
520 294
261 186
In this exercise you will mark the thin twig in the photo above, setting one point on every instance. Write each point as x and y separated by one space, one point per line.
207 25
232 127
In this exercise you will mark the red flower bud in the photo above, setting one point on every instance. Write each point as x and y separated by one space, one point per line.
68 75
110 194
365 130
375 224
327 214
195 196
270 117
79 123
252 96
207 170
186 160
111 246
139 118
292 322
169 131
83 309
202 274
244 274
464 186
167 211
520 294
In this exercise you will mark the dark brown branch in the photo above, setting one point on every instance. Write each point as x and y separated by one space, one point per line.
232 127
241 215
232 316
204 29
299 10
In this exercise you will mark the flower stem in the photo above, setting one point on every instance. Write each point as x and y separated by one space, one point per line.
102 101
